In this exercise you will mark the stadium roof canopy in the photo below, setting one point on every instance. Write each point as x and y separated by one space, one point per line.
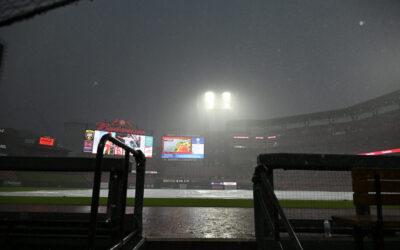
360 108
12 11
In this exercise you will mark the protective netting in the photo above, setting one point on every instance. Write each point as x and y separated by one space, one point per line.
312 194
309 194
15 10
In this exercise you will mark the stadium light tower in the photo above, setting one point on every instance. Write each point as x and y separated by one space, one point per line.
209 100
226 100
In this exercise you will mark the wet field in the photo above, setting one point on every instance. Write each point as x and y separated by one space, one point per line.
196 222
191 193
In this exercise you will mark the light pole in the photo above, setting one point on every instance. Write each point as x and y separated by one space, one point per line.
226 100
216 107
209 100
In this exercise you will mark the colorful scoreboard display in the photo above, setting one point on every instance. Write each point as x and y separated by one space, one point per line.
182 147
137 142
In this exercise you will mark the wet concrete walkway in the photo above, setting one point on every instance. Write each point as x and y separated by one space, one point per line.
221 223
197 222
188 222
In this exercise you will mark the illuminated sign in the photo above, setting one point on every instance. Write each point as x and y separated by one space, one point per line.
383 152
147 172
119 126
137 142
240 137
46 141
229 183
182 147
88 143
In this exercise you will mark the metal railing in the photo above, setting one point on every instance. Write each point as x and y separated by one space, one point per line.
15 11
268 210
118 183
325 162
140 160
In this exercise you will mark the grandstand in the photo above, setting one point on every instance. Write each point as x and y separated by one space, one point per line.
230 156
365 127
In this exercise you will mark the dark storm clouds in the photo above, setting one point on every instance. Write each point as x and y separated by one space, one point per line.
148 61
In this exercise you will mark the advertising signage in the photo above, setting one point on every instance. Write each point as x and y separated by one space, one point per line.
137 142
182 147
119 126
47 141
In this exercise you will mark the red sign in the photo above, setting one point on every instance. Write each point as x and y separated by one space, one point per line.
47 141
383 152
119 126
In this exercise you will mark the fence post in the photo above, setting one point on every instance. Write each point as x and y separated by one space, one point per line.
114 186
258 215
139 189
263 220
271 207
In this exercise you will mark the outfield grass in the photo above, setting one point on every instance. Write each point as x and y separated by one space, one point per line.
29 189
175 202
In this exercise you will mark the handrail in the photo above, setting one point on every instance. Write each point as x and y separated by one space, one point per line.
326 162
379 215
35 11
139 190
262 184
126 240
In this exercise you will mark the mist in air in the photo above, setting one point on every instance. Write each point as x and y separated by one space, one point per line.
151 62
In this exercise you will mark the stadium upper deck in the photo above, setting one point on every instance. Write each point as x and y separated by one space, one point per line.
365 127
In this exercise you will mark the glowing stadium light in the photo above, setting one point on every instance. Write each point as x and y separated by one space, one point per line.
226 100
209 100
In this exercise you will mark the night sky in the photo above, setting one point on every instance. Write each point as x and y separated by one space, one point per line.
149 61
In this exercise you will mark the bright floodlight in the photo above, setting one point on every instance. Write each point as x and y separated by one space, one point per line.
209 100
226 100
